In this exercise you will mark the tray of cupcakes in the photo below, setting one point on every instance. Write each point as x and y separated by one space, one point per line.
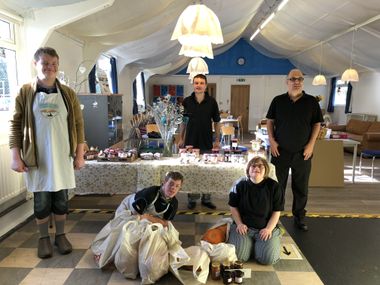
117 154
91 153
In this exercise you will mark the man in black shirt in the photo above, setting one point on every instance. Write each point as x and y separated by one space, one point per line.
201 110
294 121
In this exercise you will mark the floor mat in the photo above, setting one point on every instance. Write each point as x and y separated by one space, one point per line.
341 250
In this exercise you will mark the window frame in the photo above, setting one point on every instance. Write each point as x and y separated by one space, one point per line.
12 44
340 99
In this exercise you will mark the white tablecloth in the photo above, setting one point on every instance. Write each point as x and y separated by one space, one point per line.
121 177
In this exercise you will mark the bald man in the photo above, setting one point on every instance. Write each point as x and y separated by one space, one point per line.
294 121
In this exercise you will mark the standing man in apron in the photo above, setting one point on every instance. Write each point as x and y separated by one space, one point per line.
47 144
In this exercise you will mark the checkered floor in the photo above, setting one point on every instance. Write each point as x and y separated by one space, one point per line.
19 263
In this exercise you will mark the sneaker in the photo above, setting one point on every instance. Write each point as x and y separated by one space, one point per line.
191 205
45 249
300 224
64 246
209 205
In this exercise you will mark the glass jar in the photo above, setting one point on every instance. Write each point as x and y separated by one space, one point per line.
238 276
227 277
238 264
215 270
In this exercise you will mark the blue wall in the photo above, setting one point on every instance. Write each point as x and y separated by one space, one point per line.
255 62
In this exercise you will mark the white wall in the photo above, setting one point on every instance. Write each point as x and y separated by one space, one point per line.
365 98
263 88
366 94
70 56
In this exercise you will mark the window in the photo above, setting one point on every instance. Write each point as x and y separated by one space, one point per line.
103 75
8 78
6 31
140 98
340 93
8 73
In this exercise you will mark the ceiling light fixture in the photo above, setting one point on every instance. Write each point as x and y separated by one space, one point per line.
271 16
282 4
320 79
199 50
196 66
267 20
351 74
197 26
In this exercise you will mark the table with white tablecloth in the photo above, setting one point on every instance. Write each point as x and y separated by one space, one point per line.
123 177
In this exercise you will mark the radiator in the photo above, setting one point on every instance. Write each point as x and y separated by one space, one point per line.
11 183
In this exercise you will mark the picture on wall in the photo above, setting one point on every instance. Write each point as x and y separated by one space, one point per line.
176 91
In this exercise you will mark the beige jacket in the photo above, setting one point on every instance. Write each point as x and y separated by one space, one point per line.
22 125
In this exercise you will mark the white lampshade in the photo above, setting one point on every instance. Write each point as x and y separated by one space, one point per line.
319 80
198 50
198 24
196 66
350 74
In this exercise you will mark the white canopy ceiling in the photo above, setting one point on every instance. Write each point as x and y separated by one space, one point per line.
138 32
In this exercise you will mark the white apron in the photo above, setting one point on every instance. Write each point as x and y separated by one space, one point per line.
55 165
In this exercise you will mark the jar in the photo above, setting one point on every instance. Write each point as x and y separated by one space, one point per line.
227 277
189 148
196 152
238 276
215 270
226 265
238 264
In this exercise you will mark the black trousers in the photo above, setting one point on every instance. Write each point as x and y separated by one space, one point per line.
300 178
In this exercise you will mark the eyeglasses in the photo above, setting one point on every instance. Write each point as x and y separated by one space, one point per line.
294 79
261 166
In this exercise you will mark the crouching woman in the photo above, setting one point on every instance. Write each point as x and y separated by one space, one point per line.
256 202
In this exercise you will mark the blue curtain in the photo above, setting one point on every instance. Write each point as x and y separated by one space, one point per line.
92 80
348 108
115 88
330 107
135 109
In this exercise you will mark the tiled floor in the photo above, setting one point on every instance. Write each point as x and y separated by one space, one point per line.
19 263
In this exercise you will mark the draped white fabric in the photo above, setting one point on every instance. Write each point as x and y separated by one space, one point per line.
138 32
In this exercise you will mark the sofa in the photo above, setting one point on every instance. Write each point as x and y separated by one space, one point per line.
365 132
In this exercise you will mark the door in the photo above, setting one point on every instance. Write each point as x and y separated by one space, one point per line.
240 103
211 89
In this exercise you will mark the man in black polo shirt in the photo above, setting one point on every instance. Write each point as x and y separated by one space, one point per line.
294 121
200 110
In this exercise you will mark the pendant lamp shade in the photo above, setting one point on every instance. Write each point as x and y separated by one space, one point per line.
199 50
197 25
319 80
196 66
350 74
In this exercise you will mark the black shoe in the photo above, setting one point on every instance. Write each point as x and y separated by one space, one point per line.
63 244
209 205
191 205
300 224
45 250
